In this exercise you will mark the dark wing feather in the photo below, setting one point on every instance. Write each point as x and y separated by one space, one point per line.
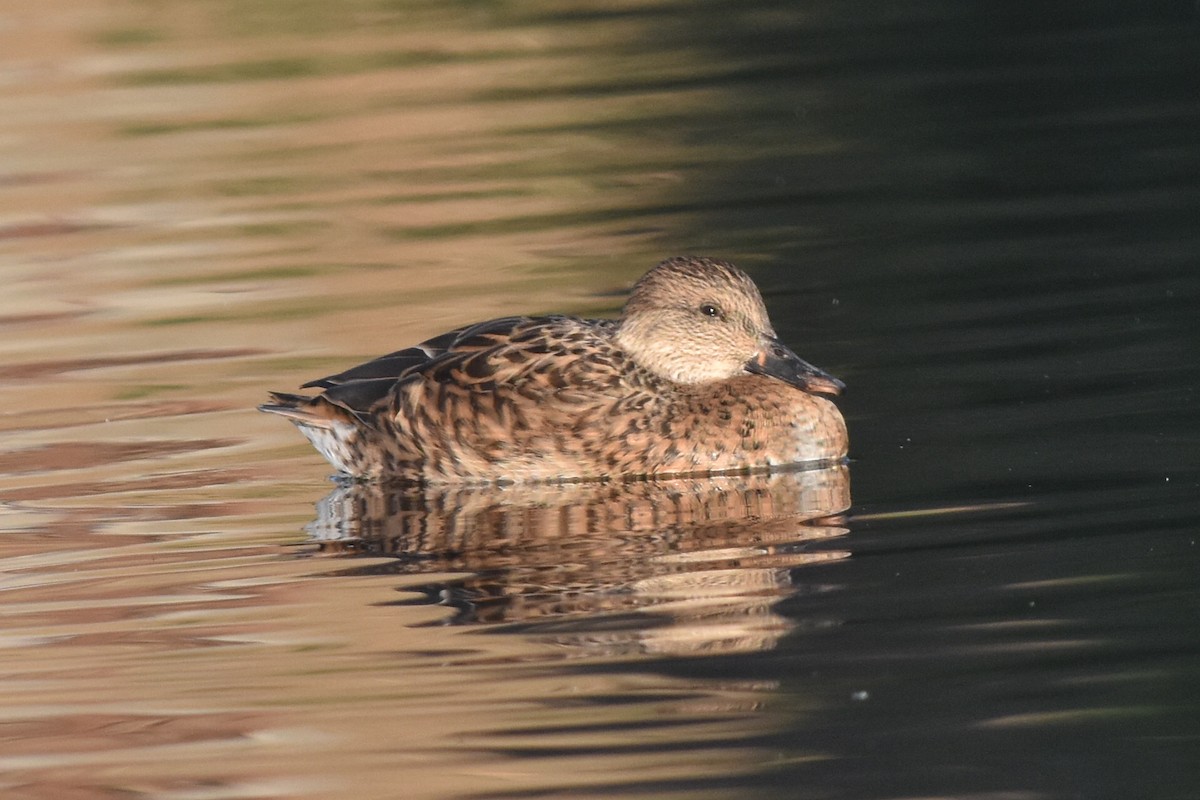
480 356
395 365
359 396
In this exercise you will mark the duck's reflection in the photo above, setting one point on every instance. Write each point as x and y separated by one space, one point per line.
679 566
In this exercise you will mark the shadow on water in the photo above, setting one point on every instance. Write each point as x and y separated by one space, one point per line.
668 567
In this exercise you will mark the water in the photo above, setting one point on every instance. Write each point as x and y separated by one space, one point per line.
982 219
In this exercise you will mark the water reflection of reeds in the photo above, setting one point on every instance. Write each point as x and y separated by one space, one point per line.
678 566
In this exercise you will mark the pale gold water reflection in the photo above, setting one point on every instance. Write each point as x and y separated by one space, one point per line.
681 566
220 664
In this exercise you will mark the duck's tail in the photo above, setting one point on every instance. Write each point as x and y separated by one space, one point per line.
337 433
312 412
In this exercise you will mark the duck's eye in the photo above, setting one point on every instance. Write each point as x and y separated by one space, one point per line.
711 310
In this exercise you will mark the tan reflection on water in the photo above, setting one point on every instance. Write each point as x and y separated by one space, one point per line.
218 664
681 566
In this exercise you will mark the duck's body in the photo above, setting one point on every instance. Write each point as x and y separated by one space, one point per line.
689 380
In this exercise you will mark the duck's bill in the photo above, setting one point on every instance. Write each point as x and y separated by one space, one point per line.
777 361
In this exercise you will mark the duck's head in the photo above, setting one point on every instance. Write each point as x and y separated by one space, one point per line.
697 320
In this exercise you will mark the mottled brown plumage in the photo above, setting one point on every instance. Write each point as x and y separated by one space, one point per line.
690 379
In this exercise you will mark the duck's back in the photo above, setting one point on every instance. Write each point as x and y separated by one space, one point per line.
504 396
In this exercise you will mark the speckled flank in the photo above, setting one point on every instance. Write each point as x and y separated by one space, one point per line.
690 379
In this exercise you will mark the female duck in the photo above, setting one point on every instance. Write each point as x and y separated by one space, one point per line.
691 379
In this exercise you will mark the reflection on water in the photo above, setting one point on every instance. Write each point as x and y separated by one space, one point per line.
673 566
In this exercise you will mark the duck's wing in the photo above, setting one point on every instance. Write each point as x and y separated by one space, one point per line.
567 357
358 390
535 357
394 365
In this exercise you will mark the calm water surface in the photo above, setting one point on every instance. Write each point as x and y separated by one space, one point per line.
983 219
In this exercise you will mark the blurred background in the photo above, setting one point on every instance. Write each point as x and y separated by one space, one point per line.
983 217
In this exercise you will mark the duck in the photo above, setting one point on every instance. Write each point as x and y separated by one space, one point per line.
691 379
